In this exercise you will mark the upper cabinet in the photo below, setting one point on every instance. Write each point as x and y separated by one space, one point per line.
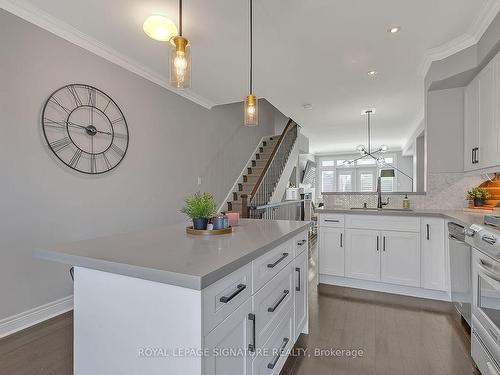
482 120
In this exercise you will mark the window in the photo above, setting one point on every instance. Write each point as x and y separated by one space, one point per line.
344 179
327 181
366 180
328 163
366 161
387 184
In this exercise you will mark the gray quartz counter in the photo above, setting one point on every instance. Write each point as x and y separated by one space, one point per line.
464 218
169 255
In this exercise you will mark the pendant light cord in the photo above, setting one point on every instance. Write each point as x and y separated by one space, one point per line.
180 17
251 46
369 133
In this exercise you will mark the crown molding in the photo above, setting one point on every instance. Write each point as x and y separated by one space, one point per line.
63 30
470 38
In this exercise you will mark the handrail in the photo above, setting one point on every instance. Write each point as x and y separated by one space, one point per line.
288 210
264 171
279 204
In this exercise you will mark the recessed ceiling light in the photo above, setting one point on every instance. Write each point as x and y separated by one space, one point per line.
308 106
394 29
372 73
159 28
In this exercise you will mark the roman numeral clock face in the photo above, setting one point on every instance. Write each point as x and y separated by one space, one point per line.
85 129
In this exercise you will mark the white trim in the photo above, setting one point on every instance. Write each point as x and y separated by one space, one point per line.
470 38
60 28
34 316
384 287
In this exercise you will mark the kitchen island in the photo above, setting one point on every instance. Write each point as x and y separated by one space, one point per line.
161 301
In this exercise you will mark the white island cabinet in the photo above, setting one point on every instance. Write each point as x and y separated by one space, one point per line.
164 302
384 252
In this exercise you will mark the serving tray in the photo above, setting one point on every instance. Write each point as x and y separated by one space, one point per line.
213 232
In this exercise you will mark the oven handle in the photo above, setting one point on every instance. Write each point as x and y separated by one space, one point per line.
483 267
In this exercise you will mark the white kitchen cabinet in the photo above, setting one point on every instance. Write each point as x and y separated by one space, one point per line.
471 127
487 128
301 295
234 333
331 251
362 254
400 258
434 255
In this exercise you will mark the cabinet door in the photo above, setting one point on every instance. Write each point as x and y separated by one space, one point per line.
234 333
362 254
331 251
300 289
496 116
434 254
471 125
487 128
400 259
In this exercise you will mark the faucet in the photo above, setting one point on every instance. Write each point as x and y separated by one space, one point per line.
381 204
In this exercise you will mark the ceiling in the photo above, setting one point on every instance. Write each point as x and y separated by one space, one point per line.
316 52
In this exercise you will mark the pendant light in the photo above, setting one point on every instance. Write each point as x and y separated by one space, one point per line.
251 112
180 58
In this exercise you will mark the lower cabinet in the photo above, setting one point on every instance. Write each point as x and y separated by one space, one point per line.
301 295
234 333
434 254
362 258
331 251
400 258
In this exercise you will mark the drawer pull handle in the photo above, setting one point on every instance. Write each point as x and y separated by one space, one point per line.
251 347
300 243
272 364
332 221
297 288
384 243
377 243
240 288
272 265
428 234
283 296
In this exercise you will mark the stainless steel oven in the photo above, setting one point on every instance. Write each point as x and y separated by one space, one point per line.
485 339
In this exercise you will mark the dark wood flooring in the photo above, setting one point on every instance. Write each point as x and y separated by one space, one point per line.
398 335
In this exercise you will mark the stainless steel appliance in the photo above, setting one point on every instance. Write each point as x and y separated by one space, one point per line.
460 270
485 338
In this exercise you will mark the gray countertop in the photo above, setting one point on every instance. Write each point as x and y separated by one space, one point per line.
459 216
169 255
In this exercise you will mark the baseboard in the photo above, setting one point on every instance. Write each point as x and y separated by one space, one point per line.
384 287
34 316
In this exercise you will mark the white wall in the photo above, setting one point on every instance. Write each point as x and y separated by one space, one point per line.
172 142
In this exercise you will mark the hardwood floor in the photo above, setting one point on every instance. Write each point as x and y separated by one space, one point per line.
398 335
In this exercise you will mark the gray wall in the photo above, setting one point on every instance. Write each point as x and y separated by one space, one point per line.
445 130
172 142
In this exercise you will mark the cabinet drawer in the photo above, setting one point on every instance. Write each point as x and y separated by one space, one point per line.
269 304
268 265
275 351
331 220
382 222
300 243
224 296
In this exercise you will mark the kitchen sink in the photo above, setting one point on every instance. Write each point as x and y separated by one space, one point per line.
382 209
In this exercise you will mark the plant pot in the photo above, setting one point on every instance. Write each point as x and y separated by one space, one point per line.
218 222
200 224
478 202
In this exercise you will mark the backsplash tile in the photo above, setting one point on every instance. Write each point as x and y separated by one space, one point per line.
445 191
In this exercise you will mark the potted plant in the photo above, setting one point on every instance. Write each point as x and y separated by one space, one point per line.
199 207
478 195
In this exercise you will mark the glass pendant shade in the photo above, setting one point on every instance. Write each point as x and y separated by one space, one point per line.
180 63
251 110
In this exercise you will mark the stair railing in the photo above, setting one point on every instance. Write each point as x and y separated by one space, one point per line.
264 188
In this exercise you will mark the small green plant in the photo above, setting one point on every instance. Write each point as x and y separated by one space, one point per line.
199 206
478 193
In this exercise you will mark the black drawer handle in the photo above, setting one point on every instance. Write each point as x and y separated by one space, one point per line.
283 296
332 221
251 347
297 288
240 288
272 265
271 365
300 243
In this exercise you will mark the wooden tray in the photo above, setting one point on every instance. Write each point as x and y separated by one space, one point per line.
214 232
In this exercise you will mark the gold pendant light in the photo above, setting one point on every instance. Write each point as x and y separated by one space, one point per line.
251 110
180 58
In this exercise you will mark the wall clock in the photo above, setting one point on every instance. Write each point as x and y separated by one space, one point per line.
85 129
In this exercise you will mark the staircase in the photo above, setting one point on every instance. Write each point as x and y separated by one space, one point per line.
264 171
